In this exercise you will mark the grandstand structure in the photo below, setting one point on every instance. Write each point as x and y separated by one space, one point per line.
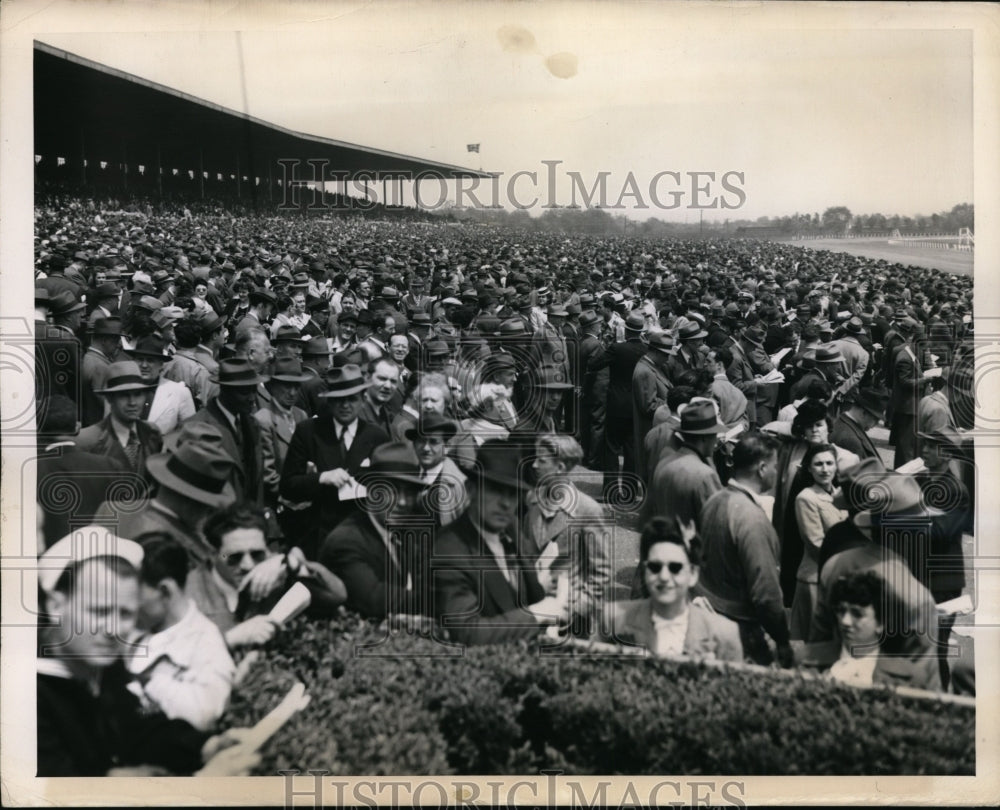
102 128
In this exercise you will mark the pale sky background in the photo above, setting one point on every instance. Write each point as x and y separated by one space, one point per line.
875 120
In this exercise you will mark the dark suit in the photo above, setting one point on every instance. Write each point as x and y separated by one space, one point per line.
851 436
379 415
244 448
473 600
907 385
72 484
315 440
377 582
101 440
309 398
621 360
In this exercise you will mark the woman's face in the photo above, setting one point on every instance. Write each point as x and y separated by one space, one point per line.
860 630
200 290
823 468
432 401
668 574
545 464
817 433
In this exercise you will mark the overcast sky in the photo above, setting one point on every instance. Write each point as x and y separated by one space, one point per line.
877 121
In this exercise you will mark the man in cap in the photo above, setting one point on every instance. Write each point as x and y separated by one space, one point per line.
485 587
382 560
89 723
444 496
850 429
122 434
740 552
650 384
621 359
346 330
326 454
170 402
231 412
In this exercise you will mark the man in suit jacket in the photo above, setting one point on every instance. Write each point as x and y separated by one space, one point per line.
382 565
908 383
444 496
232 413
590 346
171 402
651 382
856 357
485 589
934 410
850 430
621 360
765 395
122 434
376 402
327 452
277 421
741 375
105 342
64 468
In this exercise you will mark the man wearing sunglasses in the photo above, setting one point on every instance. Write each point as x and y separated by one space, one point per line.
253 578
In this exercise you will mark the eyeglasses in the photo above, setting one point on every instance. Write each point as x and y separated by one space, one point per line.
673 567
234 559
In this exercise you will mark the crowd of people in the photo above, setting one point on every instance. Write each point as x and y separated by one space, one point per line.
241 418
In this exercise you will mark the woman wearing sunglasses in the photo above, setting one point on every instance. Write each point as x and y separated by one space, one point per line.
666 622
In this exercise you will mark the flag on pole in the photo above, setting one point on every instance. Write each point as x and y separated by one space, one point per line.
473 147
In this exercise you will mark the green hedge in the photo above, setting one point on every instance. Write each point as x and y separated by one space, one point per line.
510 710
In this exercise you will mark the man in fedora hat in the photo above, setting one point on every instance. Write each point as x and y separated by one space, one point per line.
621 360
485 589
105 298
688 355
232 413
262 306
105 343
593 402
192 482
444 495
909 381
380 558
277 420
765 394
549 385
122 434
650 383
850 429
685 480
854 365
315 365
327 452
933 410
170 402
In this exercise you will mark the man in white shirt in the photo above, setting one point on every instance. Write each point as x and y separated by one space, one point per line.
181 662
171 402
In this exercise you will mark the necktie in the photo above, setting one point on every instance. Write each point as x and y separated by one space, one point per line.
342 443
513 564
146 406
132 449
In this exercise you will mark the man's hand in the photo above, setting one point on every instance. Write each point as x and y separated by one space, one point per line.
335 478
228 756
786 656
265 577
550 610
258 630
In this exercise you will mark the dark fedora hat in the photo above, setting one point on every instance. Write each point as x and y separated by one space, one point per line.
288 370
828 354
287 334
106 290
498 461
946 435
196 470
701 418
344 381
896 495
873 400
855 326
149 346
432 423
262 295
124 376
236 372
512 328
421 319
107 326
660 340
316 347
64 302
691 331
589 318
436 348
558 310
754 335
395 461
347 317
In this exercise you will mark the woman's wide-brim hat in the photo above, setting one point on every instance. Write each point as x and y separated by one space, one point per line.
344 381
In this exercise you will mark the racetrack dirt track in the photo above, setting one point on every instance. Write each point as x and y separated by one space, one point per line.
950 261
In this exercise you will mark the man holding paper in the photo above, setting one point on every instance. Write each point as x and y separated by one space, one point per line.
327 452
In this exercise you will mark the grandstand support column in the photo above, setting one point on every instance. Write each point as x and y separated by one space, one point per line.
201 172
124 166
237 176
159 172
270 180
83 159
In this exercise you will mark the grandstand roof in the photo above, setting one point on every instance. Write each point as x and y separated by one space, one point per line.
84 106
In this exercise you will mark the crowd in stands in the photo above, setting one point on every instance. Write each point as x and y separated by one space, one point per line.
257 416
